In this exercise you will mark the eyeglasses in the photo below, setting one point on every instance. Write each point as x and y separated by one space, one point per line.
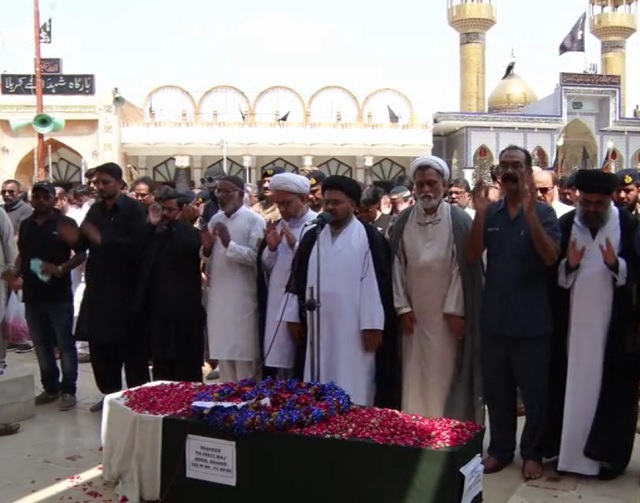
544 190
225 192
207 179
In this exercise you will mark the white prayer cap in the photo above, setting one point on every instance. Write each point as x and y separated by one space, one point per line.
290 182
430 161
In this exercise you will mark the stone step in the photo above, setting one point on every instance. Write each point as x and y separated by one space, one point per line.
17 390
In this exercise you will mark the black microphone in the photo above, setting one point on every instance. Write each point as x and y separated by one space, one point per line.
321 220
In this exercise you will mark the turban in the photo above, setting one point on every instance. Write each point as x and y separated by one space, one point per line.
596 181
430 161
348 186
234 180
290 182
110 169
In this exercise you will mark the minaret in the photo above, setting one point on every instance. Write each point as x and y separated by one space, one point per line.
613 22
472 19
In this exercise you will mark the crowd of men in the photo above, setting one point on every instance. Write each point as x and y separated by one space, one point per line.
430 297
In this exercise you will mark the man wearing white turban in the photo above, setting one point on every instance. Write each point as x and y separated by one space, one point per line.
436 296
290 194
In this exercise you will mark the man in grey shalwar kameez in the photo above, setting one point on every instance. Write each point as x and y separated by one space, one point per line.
437 297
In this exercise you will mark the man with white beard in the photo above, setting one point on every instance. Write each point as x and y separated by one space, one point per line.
594 378
437 298
290 193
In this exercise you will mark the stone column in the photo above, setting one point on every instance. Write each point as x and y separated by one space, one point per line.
307 164
247 162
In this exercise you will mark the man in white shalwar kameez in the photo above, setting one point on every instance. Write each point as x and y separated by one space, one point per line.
352 315
231 240
428 294
593 271
291 197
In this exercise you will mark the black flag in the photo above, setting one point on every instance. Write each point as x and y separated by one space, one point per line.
45 32
574 41
244 117
393 117
284 118
586 162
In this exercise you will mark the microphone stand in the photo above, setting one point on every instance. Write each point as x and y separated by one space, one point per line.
312 305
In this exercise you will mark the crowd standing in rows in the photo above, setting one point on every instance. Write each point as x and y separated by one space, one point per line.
435 299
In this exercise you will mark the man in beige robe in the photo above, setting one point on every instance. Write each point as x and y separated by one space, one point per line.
429 296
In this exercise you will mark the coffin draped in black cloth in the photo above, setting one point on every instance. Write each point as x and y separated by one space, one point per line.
295 469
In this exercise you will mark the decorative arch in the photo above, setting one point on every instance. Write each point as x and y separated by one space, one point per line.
224 104
540 157
277 101
345 107
374 108
165 172
280 163
483 159
335 167
169 103
635 162
386 170
65 168
617 160
577 139
234 168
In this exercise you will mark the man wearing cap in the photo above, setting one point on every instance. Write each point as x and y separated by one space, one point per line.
521 237
316 177
291 196
266 207
437 299
596 367
626 195
44 264
230 243
357 339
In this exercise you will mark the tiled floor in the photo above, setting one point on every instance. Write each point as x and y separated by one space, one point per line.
56 458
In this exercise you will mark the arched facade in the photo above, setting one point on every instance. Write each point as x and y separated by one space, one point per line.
275 102
540 157
579 143
386 170
333 104
225 104
170 104
279 163
233 168
483 160
381 105
65 164
617 160
335 167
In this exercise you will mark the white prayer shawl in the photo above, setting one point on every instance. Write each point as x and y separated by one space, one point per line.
232 300
430 285
592 289
349 303
279 347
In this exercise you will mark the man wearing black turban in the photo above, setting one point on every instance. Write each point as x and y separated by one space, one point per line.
594 379
358 337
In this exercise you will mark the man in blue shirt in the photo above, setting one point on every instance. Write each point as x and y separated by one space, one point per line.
521 237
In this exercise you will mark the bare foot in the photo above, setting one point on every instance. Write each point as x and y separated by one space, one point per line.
532 470
494 465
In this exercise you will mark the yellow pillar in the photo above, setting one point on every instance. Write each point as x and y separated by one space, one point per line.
613 22
472 21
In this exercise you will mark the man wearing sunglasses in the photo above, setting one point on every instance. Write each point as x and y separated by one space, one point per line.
547 191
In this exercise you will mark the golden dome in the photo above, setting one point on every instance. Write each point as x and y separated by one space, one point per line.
511 95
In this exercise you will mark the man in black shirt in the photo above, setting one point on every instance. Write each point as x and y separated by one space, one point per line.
113 232
370 211
45 262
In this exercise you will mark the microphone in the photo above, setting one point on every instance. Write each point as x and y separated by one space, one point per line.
321 220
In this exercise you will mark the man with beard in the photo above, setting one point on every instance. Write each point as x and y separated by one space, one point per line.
357 340
595 375
316 178
266 207
437 299
15 205
169 296
113 232
521 236
626 194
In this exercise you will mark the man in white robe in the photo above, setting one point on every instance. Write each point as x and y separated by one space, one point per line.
428 293
291 197
601 370
351 313
231 241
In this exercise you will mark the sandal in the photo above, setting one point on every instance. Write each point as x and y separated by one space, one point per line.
9 429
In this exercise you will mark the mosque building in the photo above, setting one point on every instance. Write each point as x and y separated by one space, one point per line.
175 133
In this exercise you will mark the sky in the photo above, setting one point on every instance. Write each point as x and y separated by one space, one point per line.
138 45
